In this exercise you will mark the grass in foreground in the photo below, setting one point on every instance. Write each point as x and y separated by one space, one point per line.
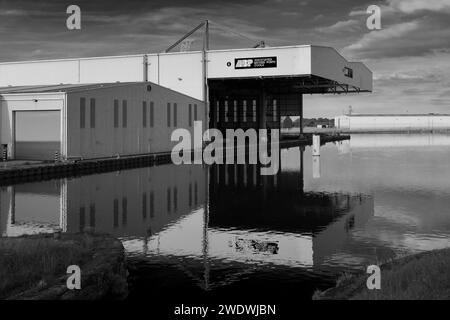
31 261
424 276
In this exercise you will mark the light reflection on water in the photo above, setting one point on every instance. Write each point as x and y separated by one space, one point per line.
363 201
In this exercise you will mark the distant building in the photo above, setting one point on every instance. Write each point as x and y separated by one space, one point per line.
392 122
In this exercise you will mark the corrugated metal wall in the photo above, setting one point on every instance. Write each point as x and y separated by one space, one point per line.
119 127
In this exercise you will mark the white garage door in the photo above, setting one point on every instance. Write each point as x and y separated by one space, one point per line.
37 134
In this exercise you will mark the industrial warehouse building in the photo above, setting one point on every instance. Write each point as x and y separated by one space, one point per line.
92 121
392 122
240 88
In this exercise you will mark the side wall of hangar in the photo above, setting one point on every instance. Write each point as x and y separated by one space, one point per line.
92 121
314 69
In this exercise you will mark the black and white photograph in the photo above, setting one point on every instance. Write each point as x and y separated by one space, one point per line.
224 159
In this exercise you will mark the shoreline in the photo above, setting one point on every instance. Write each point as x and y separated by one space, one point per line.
409 277
31 172
103 269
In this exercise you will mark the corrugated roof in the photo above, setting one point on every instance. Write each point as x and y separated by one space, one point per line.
397 115
61 87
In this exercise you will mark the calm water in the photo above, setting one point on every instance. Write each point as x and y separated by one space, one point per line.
193 231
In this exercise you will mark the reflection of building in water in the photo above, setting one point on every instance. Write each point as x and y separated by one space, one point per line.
381 140
136 202
306 226
250 222
255 222
33 209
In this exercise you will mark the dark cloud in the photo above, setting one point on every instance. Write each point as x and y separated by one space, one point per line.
415 37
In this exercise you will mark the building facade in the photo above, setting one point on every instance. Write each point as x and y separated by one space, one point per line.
182 71
93 121
240 88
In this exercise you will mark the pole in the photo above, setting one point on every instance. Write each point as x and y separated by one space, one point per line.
205 72
301 115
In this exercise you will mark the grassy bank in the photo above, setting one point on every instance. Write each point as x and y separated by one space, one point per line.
30 261
424 276
34 267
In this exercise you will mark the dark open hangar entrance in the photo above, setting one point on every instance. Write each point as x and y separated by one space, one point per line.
261 102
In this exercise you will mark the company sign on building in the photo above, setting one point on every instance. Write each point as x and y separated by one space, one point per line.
252 63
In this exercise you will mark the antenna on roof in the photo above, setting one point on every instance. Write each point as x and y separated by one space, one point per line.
185 43
260 44
350 110
187 35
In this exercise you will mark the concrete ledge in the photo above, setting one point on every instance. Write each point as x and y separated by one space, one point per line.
46 171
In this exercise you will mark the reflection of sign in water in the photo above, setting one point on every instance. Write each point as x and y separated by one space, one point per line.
252 63
256 246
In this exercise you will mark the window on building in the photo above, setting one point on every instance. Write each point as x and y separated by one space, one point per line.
175 199
235 110
195 193
274 109
116 113
190 194
244 112
144 205
82 112
124 113
168 114
152 204
92 215
92 105
116 213
82 218
226 110
124 211
168 201
254 110
218 111
195 112
190 115
151 114
175 122
348 72
144 114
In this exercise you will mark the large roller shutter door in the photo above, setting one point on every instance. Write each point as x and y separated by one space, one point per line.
37 134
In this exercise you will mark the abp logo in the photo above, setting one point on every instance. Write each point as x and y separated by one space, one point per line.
244 63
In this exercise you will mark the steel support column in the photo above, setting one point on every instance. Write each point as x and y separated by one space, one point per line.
262 108
301 112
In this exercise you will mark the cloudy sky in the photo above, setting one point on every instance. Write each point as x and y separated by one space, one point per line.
409 56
